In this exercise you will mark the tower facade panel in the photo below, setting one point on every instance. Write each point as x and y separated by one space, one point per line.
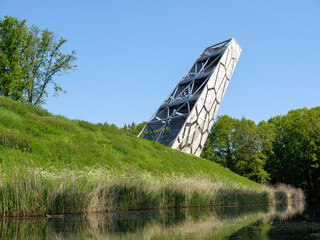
184 119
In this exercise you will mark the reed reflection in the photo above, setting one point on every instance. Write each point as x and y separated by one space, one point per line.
199 223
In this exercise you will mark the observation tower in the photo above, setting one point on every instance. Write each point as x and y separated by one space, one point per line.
184 119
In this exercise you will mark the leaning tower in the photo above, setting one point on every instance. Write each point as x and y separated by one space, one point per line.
184 119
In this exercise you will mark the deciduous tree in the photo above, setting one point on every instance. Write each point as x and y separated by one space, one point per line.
296 150
241 146
31 59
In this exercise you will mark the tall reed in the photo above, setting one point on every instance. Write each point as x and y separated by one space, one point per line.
26 191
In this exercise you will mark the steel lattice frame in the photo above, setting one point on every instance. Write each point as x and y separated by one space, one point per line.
184 119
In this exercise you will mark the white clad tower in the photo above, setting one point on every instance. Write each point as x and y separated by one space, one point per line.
184 119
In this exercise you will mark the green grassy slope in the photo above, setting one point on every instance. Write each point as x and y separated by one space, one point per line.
29 134
52 165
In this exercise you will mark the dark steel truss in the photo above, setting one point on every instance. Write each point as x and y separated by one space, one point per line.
165 125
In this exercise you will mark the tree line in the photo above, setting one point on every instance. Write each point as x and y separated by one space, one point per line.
133 128
284 149
30 59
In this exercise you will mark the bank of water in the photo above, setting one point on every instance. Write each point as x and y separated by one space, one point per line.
297 221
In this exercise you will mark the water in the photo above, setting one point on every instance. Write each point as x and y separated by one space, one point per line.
244 222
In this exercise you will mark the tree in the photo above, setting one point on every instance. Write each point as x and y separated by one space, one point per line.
219 146
241 146
133 128
13 44
286 149
251 150
30 60
296 150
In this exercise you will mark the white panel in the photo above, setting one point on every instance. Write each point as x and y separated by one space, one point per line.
198 152
220 94
192 116
197 134
186 130
201 124
176 144
211 96
206 126
207 105
213 107
232 44
221 73
192 130
184 141
212 80
189 140
230 69
228 59
204 138
211 123
195 144
202 113
234 54
186 150
224 57
199 104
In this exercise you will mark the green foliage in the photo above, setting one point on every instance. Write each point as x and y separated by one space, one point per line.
30 58
13 35
219 146
239 145
133 128
295 158
285 149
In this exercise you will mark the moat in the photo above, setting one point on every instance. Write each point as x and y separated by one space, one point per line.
299 221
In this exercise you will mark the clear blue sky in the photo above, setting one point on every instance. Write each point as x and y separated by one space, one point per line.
132 53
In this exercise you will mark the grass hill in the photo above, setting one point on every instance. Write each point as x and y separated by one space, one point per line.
52 165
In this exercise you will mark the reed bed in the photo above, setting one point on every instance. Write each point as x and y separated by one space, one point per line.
40 192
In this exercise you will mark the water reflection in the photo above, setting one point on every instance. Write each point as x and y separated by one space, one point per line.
242 222
292 223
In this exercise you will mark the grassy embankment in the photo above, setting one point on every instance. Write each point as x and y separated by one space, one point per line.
52 165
